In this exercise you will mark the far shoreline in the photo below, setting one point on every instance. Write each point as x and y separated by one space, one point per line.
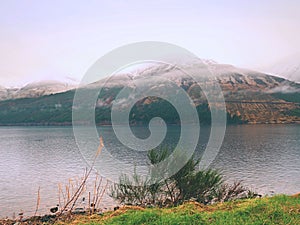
69 124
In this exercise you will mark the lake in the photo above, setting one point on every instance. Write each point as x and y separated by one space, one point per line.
265 157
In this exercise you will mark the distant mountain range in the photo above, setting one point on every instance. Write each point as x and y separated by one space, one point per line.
251 97
34 90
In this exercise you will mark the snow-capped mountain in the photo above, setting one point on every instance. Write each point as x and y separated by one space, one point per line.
253 96
229 77
36 89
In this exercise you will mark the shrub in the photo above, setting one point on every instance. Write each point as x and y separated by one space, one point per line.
189 183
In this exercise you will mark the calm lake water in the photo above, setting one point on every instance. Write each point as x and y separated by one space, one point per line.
265 157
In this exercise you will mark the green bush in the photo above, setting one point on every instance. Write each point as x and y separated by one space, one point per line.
189 183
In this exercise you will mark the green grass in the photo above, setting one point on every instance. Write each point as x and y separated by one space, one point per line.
275 210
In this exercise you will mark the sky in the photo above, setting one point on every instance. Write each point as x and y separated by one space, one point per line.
60 40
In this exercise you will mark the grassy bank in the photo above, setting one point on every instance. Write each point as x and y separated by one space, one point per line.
274 210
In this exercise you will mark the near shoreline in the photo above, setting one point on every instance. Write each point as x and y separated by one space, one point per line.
280 209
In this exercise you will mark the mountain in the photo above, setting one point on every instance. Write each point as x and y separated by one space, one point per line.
250 96
34 90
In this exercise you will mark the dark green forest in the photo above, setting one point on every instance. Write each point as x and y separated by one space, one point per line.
56 109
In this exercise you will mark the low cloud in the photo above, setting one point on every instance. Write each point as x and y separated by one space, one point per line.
284 89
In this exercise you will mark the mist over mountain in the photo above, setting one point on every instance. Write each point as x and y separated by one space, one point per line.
288 67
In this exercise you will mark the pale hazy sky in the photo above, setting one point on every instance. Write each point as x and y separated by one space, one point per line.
58 39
